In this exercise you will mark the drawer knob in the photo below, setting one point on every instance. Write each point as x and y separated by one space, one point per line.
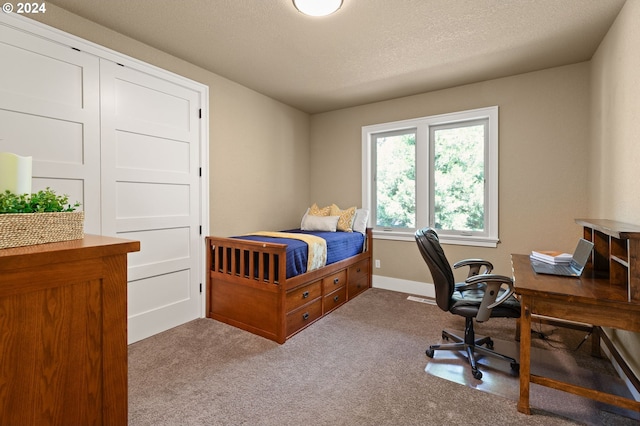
305 316
336 280
358 270
305 294
336 298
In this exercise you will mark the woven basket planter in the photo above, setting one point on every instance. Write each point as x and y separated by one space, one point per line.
26 229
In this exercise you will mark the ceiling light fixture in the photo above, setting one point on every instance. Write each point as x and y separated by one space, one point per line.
317 7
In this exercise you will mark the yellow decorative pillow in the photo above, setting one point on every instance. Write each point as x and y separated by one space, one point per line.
345 221
314 210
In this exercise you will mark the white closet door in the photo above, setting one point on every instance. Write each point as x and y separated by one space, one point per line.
150 193
49 109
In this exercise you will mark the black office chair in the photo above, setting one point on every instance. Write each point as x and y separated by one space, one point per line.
481 296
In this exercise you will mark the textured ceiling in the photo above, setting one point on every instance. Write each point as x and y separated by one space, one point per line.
370 50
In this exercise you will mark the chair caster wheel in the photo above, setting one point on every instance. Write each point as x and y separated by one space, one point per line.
430 352
515 366
444 336
477 374
489 344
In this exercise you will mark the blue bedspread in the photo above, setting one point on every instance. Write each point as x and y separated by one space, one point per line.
340 245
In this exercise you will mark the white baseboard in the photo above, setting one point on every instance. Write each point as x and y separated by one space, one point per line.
634 392
403 286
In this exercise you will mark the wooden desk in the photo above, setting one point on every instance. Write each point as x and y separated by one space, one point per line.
63 332
590 299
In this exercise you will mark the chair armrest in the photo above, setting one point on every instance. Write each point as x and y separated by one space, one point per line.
474 266
490 299
465 287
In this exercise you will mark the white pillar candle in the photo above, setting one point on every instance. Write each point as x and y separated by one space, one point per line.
15 173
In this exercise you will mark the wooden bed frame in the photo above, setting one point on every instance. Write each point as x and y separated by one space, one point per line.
241 294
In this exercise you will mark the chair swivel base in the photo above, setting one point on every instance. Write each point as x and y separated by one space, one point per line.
471 349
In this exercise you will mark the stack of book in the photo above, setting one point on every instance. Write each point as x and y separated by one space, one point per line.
550 256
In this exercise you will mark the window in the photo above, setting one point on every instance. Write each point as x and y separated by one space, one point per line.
439 171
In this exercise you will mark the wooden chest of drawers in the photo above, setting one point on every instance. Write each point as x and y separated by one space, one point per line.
63 322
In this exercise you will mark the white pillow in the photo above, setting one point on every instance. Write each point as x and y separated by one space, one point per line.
360 221
319 223
304 217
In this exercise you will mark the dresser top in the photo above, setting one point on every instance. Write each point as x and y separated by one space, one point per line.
87 247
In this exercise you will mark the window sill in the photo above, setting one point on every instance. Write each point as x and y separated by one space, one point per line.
461 240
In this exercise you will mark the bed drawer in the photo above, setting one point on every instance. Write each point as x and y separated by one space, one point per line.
358 271
334 282
335 299
356 287
303 316
302 295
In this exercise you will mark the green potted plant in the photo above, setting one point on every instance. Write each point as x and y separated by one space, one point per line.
38 218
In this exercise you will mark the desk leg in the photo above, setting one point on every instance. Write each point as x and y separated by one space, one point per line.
525 356
595 342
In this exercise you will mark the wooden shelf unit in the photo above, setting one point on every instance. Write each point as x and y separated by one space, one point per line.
616 253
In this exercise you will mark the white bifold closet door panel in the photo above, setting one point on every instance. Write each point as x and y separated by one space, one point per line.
150 135
49 110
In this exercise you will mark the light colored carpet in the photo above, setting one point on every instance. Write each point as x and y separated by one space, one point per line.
499 379
364 364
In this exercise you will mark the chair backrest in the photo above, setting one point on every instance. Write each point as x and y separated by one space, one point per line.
443 280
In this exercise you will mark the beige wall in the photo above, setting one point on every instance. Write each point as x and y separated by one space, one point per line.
614 170
259 152
543 151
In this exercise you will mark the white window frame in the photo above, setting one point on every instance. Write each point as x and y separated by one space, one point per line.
424 216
